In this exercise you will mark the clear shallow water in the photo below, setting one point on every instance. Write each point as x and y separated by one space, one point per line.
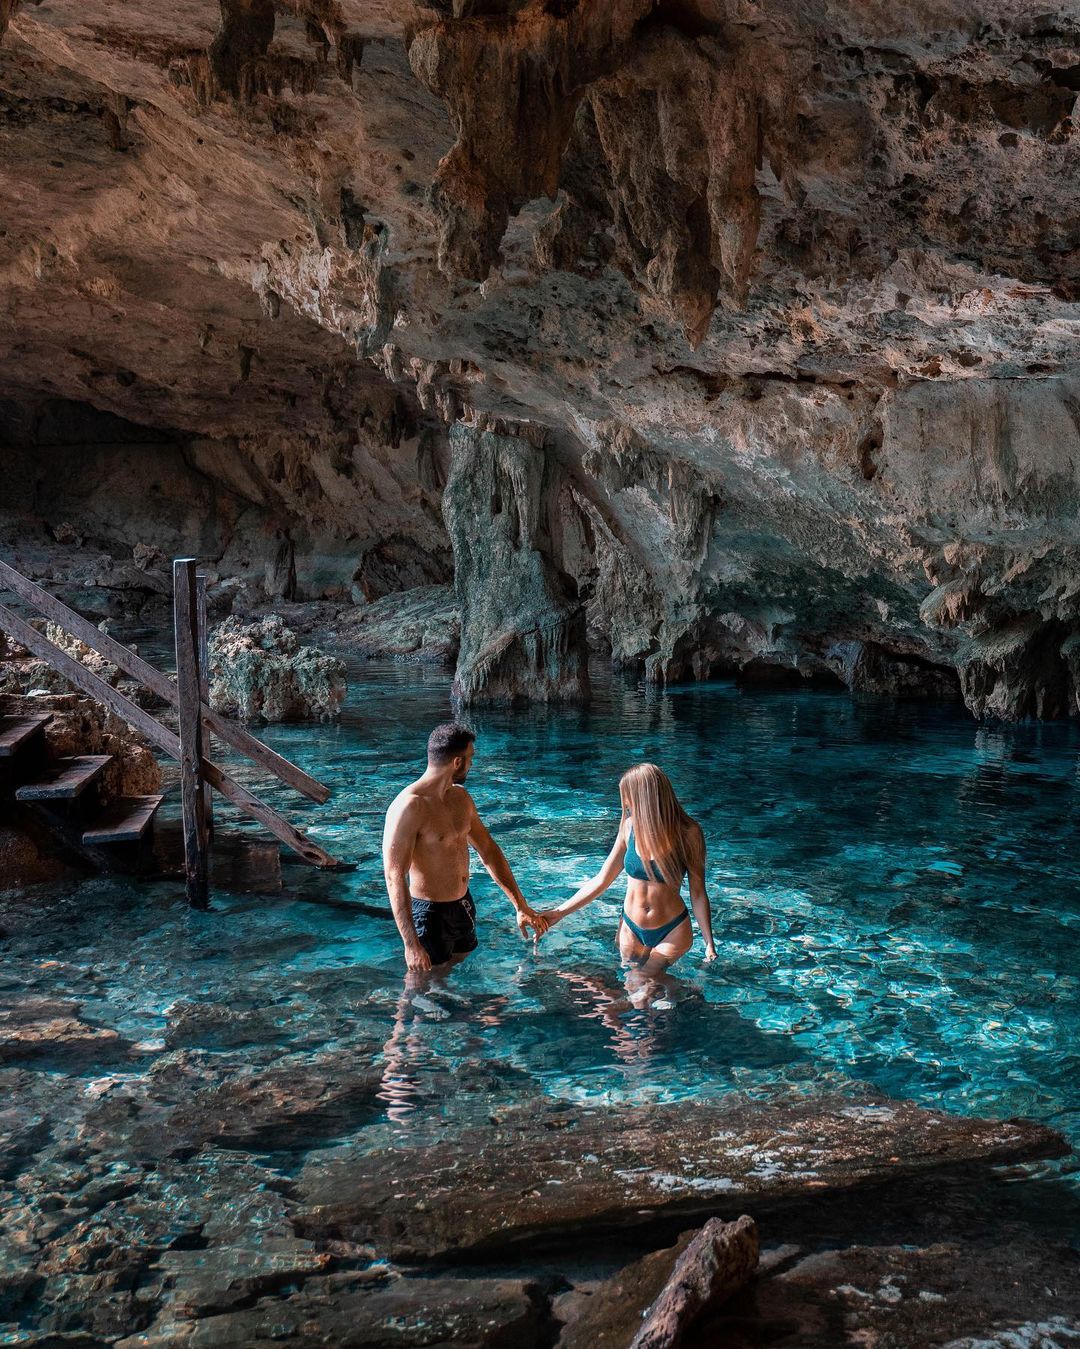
895 902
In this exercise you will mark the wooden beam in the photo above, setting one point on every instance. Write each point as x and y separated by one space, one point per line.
270 819
160 684
204 690
192 798
76 673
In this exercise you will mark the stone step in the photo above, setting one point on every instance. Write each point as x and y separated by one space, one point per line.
64 779
16 731
124 821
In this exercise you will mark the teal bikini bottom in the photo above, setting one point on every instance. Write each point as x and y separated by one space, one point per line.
653 936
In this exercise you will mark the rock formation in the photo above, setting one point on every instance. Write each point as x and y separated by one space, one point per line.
522 625
788 294
259 671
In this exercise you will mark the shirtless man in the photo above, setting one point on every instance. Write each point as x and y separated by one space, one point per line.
429 829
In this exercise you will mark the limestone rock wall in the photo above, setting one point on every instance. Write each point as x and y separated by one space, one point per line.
787 290
522 624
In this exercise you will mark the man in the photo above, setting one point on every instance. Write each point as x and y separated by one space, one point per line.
429 829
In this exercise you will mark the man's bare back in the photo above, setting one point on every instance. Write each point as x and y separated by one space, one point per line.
430 827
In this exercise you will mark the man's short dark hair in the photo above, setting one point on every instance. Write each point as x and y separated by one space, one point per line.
447 741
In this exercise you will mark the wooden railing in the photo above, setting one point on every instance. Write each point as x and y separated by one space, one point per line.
197 720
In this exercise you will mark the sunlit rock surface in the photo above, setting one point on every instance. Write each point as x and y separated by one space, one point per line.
790 287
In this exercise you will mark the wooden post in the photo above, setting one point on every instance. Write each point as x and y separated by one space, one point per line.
204 693
185 622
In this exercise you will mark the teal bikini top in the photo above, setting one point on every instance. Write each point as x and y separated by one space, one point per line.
636 866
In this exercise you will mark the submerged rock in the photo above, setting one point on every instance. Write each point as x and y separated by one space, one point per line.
260 671
996 1294
191 1098
26 861
359 1311
41 1027
543 1174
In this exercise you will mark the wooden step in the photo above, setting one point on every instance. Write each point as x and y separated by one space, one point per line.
125 820
16 731
64 779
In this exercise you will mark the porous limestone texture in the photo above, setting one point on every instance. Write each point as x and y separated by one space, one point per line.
79 725
259 671
784 296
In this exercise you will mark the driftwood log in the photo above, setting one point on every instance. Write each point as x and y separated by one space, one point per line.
719 1261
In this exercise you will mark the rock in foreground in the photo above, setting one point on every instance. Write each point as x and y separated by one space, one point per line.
542 1174
260 671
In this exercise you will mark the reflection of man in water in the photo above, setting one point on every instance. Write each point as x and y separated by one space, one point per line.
429 829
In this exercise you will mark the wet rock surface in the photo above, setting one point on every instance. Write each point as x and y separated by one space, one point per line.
54 1030
260 671
824 1287
373 1309
537 1175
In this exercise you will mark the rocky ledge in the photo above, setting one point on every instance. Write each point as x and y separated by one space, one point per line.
539 1175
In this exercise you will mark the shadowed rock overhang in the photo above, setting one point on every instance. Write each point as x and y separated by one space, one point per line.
782 299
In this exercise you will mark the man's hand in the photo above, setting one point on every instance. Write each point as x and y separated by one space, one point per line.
529 918
416 958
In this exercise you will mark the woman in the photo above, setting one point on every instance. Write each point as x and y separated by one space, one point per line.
658 844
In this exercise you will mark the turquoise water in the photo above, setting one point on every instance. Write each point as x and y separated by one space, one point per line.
894 891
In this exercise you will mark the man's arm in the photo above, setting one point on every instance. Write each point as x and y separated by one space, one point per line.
399 839
498 868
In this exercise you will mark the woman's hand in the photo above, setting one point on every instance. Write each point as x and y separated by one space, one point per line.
529 918
710 952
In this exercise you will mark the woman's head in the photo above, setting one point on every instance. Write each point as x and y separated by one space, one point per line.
662 829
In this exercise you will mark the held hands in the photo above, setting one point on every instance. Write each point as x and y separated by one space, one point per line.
528 917
710 952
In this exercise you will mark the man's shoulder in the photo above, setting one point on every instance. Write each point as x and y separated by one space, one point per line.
408 799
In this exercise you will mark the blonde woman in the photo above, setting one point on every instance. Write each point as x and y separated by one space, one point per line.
658 844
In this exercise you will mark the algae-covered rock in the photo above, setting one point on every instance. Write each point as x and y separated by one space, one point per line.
260 671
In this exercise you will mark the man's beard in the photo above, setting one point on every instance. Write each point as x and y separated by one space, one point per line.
460 776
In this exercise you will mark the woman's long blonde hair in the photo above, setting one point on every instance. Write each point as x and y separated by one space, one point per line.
666 838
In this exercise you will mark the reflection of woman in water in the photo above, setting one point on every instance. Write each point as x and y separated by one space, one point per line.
659 844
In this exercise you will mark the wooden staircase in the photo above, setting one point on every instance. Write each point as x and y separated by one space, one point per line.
65 792
66 795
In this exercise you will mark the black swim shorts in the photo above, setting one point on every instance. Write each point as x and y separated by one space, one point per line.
447 929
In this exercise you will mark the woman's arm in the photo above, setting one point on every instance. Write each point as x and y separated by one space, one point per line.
594 888
698 896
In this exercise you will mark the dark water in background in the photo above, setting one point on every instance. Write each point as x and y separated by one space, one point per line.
896 901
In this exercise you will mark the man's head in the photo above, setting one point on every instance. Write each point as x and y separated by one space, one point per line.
451 743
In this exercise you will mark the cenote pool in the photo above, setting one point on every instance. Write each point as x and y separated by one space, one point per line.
895 895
